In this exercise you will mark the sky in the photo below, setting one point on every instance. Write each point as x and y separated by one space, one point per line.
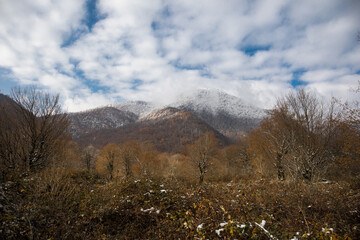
98 52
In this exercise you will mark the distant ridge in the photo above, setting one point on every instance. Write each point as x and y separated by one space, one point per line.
169 130
203 110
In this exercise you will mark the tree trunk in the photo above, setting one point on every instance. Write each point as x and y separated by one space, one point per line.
201 179
281 173
280 167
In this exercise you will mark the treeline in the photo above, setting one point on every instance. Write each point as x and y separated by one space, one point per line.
301 139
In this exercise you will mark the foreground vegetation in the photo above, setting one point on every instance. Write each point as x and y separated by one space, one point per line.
60 204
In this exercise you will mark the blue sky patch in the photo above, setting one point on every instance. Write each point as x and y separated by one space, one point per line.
73 37
136 83
155 25
79 73
161 22
252 50
7 81
92 84
296 81
92 16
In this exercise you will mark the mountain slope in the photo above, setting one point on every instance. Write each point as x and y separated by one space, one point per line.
226 113
137 107
99 118
4 98
168 130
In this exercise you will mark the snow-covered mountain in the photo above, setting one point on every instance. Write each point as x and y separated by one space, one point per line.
215 101
99 118
226 113
168 129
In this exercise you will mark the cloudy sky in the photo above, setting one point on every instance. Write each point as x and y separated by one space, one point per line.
97 52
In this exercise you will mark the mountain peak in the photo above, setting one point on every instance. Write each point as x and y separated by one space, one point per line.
215 101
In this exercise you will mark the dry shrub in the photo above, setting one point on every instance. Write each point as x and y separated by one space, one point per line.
108 161
61 204
187 171
55 186
218 172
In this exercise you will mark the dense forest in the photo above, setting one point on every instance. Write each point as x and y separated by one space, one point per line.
297 176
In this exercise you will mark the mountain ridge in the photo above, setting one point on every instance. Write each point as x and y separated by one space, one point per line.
170 133
214 110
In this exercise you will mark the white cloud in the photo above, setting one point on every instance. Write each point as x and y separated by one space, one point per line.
32 34
324 75
85 100
155 50
339 88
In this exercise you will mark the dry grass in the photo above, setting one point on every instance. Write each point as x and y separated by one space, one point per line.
58 204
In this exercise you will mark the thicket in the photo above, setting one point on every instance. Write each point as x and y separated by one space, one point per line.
295 177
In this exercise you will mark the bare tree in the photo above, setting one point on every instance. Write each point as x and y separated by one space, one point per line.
38 128
313 128
108 159
348 163
299 137
201 153
89 155
274 139
129 153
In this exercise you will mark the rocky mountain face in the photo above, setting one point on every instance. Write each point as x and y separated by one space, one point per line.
173 125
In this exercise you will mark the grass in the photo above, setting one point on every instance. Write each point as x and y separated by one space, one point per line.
58 204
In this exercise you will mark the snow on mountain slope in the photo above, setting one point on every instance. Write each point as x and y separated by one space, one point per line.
137 107
168 129
99 118
228 114
162 114
215 101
